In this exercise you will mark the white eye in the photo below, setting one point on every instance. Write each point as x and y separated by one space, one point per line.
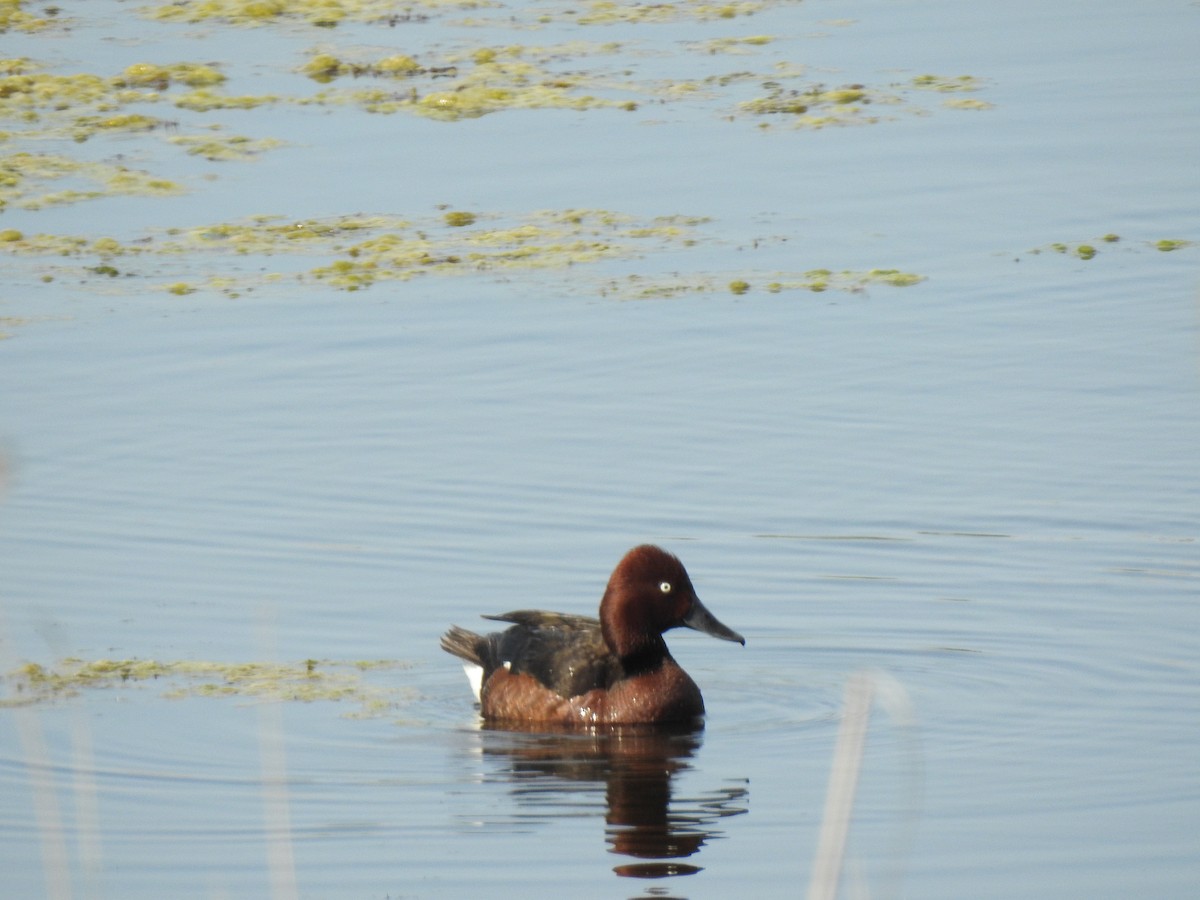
665 587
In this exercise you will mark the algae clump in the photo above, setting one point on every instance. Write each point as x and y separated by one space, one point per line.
308 681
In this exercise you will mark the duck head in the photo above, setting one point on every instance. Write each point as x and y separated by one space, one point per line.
648 593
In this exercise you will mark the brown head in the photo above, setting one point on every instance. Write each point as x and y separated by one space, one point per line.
648 593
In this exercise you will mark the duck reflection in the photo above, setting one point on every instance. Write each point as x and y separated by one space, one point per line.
636 766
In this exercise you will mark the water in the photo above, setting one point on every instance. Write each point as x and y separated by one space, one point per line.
984 485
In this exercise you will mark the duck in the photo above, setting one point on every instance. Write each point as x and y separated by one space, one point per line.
551 668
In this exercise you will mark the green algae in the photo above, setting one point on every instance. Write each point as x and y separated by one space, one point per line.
1087 250
733 44
161 77
355 253
318 13
207 100
611 12
24 178
229 148
1167 245
954 84
637 287
14 18
947 84
360 251
37 106
817 106
968 104
308 681
324 67
467 85
543 240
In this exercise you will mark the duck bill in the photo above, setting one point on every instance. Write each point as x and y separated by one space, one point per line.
701 619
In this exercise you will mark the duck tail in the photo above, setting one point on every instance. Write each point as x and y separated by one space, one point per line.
470 648
466 645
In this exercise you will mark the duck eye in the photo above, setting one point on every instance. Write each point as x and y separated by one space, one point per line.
665 587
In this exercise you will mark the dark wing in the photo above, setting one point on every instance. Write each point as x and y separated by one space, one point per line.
564 652
536 618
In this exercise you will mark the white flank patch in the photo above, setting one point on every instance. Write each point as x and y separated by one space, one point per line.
475 676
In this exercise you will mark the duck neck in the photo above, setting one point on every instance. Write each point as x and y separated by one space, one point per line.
646 657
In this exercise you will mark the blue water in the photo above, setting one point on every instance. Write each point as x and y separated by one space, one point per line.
984 486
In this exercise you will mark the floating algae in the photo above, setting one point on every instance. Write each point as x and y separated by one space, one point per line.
14 18
1089 250
37 105
1167 245
817 106
360 251
309 681
610 12
468 85
24 178
638 287
226 148
318 13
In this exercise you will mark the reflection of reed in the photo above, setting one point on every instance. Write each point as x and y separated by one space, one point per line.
46 813
51 836
636 766
863 689
281 862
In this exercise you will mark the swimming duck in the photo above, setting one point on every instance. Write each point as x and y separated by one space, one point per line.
558 668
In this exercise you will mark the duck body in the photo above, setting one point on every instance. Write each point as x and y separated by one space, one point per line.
572 670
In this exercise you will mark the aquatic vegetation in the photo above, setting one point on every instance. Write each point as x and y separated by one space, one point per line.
226 149
360 251
318 13
14 18
637 287
542 240
206 100
968 104
324 67
734 45
451 84
37 105
309 681
161 77
953 84
1167 245
471 84
1086 251
946 84
354 253
817 106
610 12
24 177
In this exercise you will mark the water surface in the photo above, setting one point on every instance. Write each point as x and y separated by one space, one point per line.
983 485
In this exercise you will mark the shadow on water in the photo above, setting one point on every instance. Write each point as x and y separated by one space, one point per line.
559 775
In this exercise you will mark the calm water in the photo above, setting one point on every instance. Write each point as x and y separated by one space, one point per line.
984 486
